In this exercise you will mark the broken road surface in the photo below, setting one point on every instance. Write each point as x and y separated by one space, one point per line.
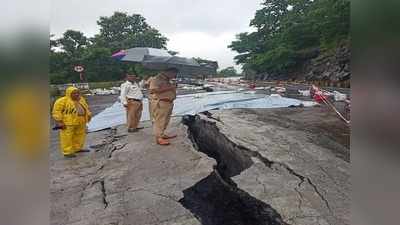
283 157
127 179
231 167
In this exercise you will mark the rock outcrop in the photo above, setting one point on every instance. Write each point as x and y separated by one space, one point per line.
331 66
318 65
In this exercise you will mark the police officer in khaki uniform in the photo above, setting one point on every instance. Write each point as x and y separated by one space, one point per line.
147 85
163 94
131 97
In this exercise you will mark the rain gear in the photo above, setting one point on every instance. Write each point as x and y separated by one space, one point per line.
24 115
65 110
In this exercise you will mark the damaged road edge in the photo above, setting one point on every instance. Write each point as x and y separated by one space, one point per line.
216 200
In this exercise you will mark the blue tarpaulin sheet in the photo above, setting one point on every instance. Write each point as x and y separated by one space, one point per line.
195 103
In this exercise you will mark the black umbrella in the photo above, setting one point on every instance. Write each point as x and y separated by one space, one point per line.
160 59
186 66
138 54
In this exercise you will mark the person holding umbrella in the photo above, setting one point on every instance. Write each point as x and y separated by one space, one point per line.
162 91
131 97
163 94
147 85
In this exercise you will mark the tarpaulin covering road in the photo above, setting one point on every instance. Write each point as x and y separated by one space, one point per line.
195 103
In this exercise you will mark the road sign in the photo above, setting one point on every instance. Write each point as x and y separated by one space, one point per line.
79 68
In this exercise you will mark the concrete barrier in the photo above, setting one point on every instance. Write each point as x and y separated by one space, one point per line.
63 87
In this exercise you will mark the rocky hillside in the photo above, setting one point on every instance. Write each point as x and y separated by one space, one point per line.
332 66
317 65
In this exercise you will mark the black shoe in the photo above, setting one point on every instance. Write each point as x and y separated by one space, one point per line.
70 156
140 128
83 151
132 130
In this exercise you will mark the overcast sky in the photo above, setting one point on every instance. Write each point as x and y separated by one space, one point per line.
195 28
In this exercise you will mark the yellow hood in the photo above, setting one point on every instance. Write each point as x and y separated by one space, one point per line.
64 109
69 91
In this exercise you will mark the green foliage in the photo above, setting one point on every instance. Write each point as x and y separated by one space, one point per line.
73 42
275 60
173 52
119 31
289 31
228 72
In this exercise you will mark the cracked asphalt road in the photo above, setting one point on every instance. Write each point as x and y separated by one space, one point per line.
288 162
303 174
127 180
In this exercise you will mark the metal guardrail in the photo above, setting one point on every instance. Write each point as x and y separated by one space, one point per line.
63 87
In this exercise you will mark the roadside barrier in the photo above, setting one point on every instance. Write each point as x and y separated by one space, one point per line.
319 96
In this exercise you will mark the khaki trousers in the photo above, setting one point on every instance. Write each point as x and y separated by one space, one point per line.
151 108
133 113
162 112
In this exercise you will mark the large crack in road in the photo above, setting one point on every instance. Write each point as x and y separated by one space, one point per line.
250 185
216 200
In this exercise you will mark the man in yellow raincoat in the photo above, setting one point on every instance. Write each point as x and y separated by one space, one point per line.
71 114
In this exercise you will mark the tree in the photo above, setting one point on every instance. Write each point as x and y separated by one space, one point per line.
73 42
173 52
119 31
289 32
122 31
228 72
71 48
53 43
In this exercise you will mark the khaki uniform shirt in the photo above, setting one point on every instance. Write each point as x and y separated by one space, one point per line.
161 81
147 86
130 90
148 81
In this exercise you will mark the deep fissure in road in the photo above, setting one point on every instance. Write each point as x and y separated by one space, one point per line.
216 200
